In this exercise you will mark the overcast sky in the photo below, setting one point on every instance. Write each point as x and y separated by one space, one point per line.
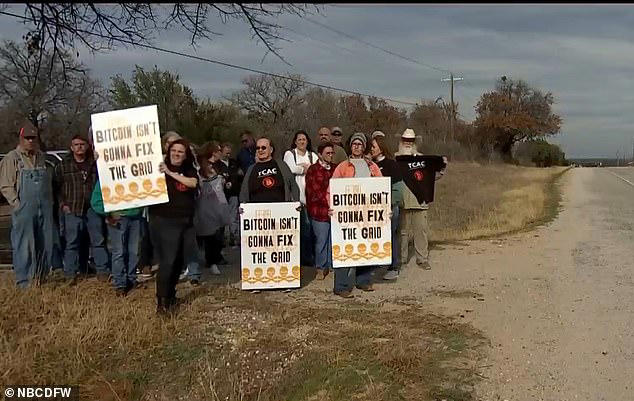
583 54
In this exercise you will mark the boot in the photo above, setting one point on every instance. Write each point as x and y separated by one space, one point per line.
161 305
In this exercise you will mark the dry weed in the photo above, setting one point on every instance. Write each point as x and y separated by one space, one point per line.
474 200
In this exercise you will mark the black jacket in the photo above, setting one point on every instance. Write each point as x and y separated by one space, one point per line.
233 176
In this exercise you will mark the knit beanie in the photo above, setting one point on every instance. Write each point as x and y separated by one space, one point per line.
360 136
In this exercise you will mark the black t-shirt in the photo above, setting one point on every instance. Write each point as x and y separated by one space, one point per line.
182 199
419 174
266 183
390 168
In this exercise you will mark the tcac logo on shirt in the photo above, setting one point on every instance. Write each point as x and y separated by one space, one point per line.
415 165
267 172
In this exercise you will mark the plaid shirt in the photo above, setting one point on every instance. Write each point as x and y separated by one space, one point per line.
73 185
317 181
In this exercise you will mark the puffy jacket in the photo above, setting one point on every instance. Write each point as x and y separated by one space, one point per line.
345 169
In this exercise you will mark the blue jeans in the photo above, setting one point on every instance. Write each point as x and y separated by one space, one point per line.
75 228
124 243
323 244
395 220
347 277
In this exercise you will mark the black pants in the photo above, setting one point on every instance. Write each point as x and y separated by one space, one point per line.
146 255
174 241
212 245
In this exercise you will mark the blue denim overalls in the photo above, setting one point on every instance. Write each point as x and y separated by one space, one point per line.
32 228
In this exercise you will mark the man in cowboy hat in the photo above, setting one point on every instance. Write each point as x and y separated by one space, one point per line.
419 174
26 183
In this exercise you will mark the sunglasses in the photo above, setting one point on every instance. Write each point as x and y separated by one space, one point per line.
30 138
244 141
337 133
261 148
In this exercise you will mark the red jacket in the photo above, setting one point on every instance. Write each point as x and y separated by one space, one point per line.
317 181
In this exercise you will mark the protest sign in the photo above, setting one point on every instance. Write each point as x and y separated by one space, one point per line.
129 145
270 245
360 223
419 174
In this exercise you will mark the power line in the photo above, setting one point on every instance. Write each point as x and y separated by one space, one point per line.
376 47
225 64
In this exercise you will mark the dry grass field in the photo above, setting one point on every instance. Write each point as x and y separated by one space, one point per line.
229 345
474 201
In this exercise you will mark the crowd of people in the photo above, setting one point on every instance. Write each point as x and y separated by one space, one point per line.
58 218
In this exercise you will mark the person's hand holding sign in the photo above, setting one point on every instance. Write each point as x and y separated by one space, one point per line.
163 169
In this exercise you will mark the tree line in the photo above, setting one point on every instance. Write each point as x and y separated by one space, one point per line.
512 120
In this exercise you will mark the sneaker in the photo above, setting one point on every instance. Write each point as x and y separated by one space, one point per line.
215 270
345 294
147 272
424 265
391 275
194 283
366 288
183 275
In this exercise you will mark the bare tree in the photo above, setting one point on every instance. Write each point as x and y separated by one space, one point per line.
26 90
60 26
269 98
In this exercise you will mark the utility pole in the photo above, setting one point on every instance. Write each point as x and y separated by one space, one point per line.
452 116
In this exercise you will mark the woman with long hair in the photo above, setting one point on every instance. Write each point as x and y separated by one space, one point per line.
299 158
383 157
171 223
212 209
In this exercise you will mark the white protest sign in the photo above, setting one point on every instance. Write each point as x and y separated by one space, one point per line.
129 146
360 224
270 245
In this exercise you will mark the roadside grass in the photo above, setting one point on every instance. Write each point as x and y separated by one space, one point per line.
230 345
476 201
226 344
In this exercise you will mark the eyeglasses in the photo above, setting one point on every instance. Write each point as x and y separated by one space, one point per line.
261 148
30 138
